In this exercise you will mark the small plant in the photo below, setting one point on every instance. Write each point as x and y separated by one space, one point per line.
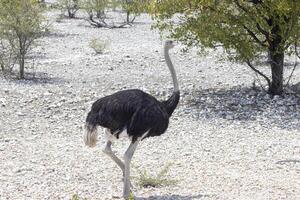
76 197
98 45
131 197
161 179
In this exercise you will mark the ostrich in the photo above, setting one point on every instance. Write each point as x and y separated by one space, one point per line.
134 114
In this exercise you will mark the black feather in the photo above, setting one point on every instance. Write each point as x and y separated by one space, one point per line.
172 102
134 110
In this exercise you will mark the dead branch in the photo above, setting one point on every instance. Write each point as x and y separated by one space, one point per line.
100 23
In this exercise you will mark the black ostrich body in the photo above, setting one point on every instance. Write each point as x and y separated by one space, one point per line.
133 110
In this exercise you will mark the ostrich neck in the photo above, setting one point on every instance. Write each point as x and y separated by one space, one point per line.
171 68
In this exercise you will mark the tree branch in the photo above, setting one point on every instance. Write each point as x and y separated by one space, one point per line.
296 51
103 24
260 29
265 33
290 76
254 36
259 72
240 6
296 63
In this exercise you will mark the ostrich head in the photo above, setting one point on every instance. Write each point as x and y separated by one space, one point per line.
169 44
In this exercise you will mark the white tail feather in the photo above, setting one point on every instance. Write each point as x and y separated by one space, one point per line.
90 136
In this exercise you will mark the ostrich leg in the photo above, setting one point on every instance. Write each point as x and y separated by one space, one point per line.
111 154
127 158
108 151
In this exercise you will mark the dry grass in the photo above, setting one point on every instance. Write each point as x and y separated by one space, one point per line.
76 197
161 179
98 45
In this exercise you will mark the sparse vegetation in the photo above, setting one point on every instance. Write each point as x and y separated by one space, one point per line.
98 45
97 12
133 8
76 197
131 197
71 6
7 59
21 23
160 179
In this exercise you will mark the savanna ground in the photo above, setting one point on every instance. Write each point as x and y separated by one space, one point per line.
226 140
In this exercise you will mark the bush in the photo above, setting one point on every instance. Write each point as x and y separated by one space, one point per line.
96 7
97 10
133 8
7 59
72 6
21 23
161 179
76 197
98 45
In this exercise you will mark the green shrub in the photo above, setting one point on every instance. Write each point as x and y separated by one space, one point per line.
76 197
131 197
98 45
7 58
21 23
161 179
71 6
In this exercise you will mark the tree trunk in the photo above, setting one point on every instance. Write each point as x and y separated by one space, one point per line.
22 65
276 50
127 17
2 66
277 73
71 14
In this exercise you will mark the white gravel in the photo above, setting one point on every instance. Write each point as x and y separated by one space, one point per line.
225 140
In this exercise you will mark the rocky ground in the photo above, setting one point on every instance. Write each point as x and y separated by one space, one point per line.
226 140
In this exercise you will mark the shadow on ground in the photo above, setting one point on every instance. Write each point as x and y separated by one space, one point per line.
35 78
60 35
288 161
243 104
173 197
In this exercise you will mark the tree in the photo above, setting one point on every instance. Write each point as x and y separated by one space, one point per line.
134 8
97 10
72 6
245 29
131 7
21 23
